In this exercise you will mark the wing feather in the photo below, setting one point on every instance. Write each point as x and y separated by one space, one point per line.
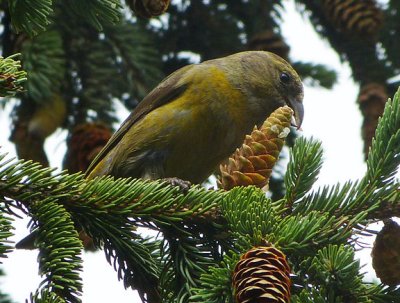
169 89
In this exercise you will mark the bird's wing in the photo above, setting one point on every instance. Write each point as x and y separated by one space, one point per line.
168 90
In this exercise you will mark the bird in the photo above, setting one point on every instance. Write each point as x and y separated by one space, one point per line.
198 115
196 118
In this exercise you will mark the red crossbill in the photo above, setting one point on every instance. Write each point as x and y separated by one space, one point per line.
198 116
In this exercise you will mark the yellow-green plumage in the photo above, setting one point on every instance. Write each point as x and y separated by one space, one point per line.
197 116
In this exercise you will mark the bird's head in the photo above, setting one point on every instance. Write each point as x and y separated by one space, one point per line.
289 88
269 82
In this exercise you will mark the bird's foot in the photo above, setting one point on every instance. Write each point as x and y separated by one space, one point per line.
182 184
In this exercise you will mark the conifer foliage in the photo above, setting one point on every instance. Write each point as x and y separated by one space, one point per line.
205 231
234 245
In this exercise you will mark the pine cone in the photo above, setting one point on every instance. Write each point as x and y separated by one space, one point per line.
386 254
29 141
372 99
84 143
252 163
27 146
269 41
363 18
262 275
149 8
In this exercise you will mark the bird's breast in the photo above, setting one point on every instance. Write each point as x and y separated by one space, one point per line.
193 133
206 124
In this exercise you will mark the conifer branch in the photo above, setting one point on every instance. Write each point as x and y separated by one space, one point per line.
333 274
33 16
216 283
248 212
44 60
335 266
109 210
11 76
97 12
302 173
140 61
384 156
377 194
59 249
45 296
5 233
30 16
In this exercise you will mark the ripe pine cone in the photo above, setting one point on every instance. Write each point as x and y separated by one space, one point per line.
252 163
386 254
262 275
84 143
371 99
149 8
363 18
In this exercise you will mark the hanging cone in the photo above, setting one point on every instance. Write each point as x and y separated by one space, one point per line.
372 99
386 254
84 143
148 8
27 146
363 18
262 275
252 163
269 41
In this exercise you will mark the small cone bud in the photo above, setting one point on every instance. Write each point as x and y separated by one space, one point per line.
252 163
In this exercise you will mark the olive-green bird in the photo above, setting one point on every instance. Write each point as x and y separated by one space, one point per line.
198 116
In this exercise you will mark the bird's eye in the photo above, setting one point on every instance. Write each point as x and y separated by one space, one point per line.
284 77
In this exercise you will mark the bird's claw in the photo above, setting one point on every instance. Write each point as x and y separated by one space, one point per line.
176 182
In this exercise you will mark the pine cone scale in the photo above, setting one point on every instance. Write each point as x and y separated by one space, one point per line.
262 275
252 163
